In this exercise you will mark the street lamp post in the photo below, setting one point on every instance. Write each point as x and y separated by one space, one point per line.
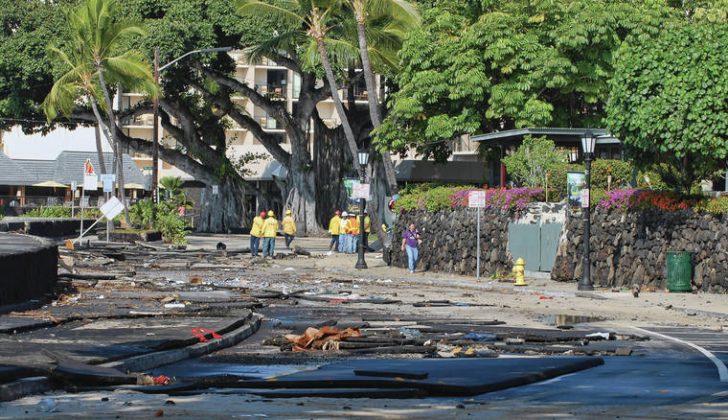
155 107
363 157
588 143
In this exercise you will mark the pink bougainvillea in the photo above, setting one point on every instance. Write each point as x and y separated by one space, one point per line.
517 198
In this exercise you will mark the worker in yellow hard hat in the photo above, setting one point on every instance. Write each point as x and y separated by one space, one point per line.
270 229
367 229
334 230
352 233
289 228
256 231
343 244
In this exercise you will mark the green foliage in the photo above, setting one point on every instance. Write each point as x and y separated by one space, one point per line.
98 44
717 205
533 160
174 194
481 66
49 212
172 227
141 214
63 212
427 196
27 28
162 217
668 101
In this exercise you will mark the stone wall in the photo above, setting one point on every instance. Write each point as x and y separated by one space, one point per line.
448 240
45 227
630 248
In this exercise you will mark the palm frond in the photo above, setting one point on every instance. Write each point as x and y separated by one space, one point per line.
64 92
118 33
341 52
279 42
132 71
285 13
402 11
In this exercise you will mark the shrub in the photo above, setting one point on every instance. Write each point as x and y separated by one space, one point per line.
717 205
517 198
142 214
426 196
643 200
49 212
172 228
167 221
533 159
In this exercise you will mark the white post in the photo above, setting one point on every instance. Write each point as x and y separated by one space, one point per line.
83 194
107 223
477 239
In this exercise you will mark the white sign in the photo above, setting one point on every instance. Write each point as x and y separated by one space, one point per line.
108 181
476 199
585 198
360 191
215 189
112 208
90 182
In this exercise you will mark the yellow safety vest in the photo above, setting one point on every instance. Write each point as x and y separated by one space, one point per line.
257 228
270 227
335 225
289 226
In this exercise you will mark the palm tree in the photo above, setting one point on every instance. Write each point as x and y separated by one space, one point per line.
98 57
314 18
403 17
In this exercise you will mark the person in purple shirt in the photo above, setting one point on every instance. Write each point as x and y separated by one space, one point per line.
410 241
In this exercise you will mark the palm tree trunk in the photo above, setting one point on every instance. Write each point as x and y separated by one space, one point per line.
116 143
99 148
323 52
373 99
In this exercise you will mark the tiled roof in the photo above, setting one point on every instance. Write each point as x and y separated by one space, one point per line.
67 167
11 173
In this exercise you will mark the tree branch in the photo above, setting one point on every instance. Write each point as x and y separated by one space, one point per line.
269 141
273 108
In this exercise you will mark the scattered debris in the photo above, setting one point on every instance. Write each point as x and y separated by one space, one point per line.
326 338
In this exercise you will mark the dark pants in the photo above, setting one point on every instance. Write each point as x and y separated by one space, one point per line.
289 239
254 246
334 243
269 247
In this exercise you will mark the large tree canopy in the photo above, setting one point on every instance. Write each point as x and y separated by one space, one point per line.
669 98
479 66
198 101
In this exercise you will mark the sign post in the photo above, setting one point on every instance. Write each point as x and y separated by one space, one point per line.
90 182
476 199
110 209
74 187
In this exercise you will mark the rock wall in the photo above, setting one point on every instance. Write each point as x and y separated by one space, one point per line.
448 240
49 228
630 248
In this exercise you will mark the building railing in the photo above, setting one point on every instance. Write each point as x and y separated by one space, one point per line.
272 91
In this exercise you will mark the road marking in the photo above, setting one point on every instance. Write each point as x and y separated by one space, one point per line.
722 370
